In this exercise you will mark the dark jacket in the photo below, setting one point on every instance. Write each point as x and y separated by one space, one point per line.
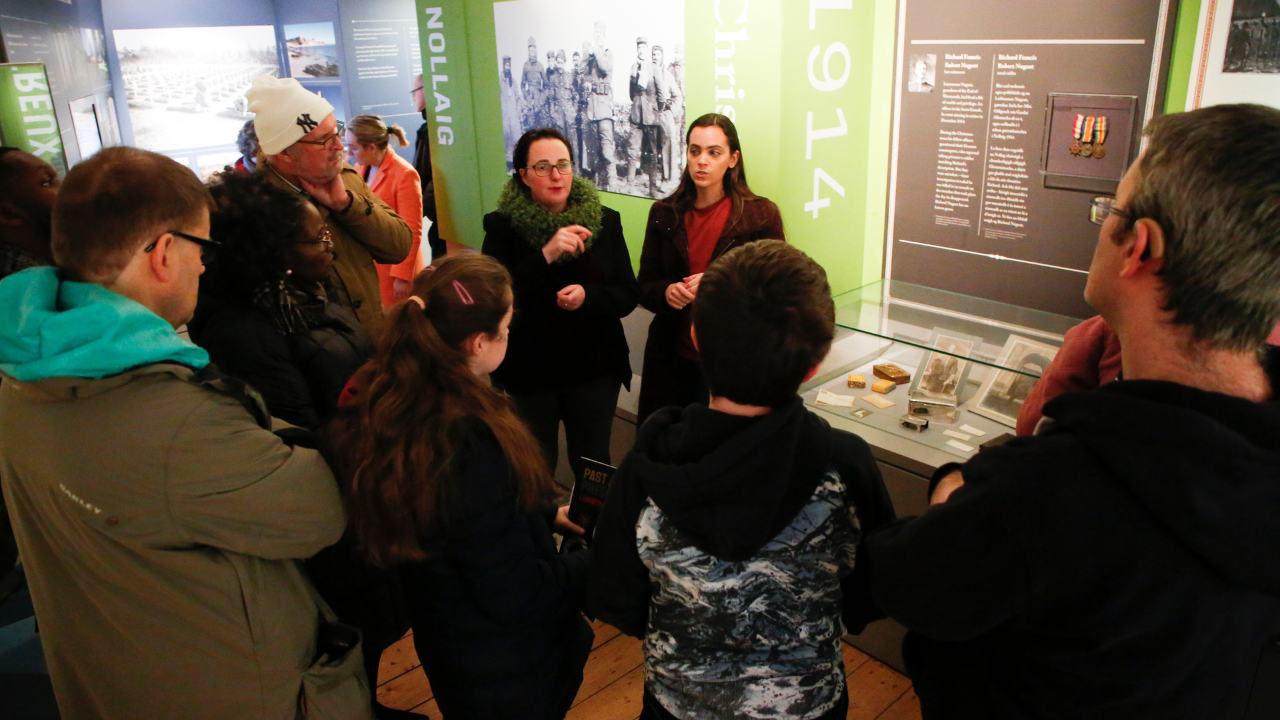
1120 565
759 519
496 612
664 260
552 348
300 375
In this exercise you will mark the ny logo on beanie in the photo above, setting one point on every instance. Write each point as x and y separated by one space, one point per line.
306 123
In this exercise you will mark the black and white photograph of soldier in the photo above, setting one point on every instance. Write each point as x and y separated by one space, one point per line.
608 76
185 86
1001 396
1253 42
944 371
921 71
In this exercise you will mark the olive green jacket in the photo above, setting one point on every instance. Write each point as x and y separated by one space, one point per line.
161 524
367 232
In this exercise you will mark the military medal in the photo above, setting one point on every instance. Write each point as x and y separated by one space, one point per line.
1099 151
1076 130
1086 148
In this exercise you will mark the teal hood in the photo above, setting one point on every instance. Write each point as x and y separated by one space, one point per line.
50 327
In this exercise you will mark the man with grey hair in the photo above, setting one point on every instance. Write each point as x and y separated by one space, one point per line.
1122 563
302 149
160 519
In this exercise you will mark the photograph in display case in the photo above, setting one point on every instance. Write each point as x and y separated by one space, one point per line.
609 76
942 375
1001 396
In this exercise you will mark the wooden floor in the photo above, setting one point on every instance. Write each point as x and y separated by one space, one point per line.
614 680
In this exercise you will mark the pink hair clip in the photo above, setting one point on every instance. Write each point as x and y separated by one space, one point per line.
463 295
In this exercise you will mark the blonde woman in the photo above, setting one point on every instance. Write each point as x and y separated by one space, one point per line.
393 179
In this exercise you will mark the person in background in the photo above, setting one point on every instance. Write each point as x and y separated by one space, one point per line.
598 81
670 102
422 163
711 212
443 481
265 315
568 355
646 89
512 110
1121 563
731 537
160 519
302 151
533 87
1089 358
28 188
247 144
393 179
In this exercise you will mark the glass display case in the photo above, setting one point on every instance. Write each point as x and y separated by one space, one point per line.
961 363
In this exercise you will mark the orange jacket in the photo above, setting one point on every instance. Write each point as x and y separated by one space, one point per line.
399 186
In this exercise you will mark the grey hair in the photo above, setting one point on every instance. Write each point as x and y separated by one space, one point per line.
1211 179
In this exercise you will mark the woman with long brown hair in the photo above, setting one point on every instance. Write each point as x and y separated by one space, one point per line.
443 481
711 212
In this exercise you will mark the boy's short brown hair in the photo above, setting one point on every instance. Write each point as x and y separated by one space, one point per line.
764 318
116 202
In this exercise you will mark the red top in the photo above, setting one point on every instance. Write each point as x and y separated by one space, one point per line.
703 228
1090 357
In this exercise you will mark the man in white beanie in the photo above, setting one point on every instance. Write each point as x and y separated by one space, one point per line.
302 149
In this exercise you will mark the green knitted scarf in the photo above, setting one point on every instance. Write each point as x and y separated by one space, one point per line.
537 225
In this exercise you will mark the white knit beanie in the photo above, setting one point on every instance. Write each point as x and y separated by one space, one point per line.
284 112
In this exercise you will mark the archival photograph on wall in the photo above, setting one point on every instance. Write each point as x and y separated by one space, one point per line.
186 86
313 50
1001 396
609 76
1237 54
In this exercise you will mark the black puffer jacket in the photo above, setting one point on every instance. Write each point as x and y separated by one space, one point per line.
496 612
299 375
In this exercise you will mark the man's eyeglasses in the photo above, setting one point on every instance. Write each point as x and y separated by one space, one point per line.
208 248
543 169
328 139
1101 207
417 90
324 238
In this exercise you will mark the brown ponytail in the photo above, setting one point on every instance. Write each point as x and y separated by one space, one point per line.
393 446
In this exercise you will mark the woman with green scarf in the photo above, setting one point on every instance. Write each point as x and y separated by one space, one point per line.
567 355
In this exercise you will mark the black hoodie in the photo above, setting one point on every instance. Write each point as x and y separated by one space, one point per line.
1123 564
729 494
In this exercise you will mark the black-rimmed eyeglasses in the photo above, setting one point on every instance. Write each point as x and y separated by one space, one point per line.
328 139
208 248
543 169
1101 207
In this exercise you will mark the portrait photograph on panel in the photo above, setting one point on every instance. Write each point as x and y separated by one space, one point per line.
609 76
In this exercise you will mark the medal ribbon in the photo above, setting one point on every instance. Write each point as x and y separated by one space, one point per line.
1088 129
1102 130
1078 129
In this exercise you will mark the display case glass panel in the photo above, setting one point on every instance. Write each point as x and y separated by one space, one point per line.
966 364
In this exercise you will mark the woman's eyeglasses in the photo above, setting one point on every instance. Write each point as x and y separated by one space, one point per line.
543 169
324 238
